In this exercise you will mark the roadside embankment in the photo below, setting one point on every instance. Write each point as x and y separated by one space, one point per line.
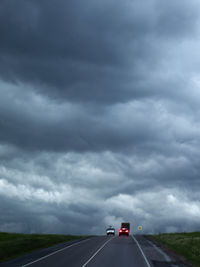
13 245
184 245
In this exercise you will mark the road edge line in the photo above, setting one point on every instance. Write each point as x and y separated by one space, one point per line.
148 264
48 255
85 264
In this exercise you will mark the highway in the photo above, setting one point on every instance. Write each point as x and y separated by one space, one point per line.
101 251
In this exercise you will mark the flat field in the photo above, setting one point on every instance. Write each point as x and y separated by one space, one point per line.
13 245
184 244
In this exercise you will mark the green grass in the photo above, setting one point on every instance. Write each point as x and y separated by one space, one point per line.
13 245
184 244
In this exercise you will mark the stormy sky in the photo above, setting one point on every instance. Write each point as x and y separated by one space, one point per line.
99 115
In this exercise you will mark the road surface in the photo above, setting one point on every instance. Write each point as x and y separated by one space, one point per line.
101 251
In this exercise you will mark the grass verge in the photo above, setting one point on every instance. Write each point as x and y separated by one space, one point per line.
184 244
13 245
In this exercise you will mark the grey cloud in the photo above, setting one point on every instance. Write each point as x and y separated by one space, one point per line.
99 115
177 19
138 208
35 123
83 183
89 51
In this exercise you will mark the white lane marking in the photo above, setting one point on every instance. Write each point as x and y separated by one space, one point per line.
55 252
97 252
141 251
166 257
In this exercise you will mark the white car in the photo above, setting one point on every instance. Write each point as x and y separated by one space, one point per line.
110 231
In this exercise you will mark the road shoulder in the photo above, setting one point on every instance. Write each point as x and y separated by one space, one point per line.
171 253
160 256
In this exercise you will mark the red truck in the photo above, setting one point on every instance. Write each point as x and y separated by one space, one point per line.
125 229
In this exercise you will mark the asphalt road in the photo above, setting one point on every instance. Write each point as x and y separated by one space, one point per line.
101 251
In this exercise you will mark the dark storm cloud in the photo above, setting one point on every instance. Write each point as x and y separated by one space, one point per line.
34 123
99 115
89 51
